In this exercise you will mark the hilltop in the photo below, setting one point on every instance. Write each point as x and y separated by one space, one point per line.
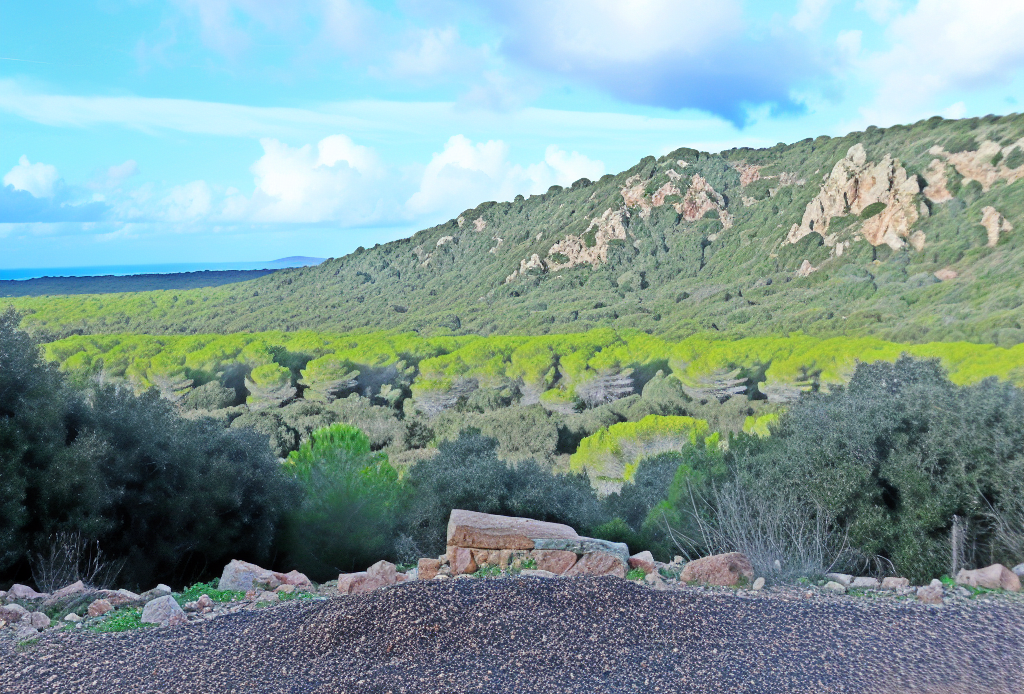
910 233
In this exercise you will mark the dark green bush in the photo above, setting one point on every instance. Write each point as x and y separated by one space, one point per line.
467 474
348 515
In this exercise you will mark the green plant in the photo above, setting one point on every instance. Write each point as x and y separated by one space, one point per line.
529 563
635 575
193 593
488 572
125 619
872 209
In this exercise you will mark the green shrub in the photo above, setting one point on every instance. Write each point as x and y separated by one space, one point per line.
872 209
1015 159
348 515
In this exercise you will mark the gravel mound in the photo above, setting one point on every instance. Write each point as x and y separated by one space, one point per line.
541 635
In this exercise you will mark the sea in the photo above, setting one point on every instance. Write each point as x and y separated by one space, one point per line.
156 269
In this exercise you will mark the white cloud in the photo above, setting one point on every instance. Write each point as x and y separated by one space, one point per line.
119 172
879 10
187 203
436 51
849 43
338 181
957 110
944 45
38 179
465 174
811 14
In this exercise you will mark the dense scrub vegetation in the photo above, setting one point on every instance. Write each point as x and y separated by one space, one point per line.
670 275
872 474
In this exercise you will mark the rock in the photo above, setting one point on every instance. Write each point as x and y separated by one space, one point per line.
894 583
117 598
480 557
154 593
241 575
843 579
13 613
20 592
26 632
945 274
554 560
462 561
350 584
267 596
537 573
865 582
642 560
504 558
427 568
655 581
99 607
834 587
381 574
72 618
489 531
599 564
1019 570
584 545
163 611
76 588
204 603
931 594
285 589
962 592
718 570
758 583
383 571
994 224
39 620
994 577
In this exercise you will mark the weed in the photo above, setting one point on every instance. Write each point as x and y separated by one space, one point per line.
529 563
488 572
192 593
635 575
121 620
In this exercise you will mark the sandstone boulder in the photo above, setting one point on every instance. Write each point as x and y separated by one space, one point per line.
462 561
554 560
868 582
241 575
643 561
163 611
489 531
931 594
20 592
894 583
758 583
427 568
154 593
76 588
537 573
381 574
719 570
994 577
599 564
584 545
13 613
99 607
38 620
843 579
834 587
1019 570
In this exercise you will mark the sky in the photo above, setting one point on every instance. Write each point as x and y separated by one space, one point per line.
205 131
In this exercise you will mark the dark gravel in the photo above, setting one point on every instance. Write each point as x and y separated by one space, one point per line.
535 635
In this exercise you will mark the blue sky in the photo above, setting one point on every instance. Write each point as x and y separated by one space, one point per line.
155 131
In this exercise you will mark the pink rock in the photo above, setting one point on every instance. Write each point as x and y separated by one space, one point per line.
598 564
993 577
99 607
350 583
242 575
556 561
285 589
164 611
295 578
204 603
383 571
20 592
38 620
718 570
379 575
13 613
480 556
894 583
462 561
642 560
427 568
931 594
76 588
489 531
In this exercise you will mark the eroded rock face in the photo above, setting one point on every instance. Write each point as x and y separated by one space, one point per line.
994 224
489 531
973 166
853 185
993 577
599 564
701 198
609 226
718 570
554 560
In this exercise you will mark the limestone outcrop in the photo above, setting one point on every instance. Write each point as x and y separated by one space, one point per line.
994 224
855 184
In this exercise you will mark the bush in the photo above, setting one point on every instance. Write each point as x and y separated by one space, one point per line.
467 474
348 515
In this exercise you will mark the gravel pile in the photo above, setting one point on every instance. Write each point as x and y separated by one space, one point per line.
587 635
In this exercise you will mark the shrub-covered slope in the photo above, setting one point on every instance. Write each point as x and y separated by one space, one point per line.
911 233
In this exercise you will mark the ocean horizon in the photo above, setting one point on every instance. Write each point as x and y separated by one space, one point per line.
150 269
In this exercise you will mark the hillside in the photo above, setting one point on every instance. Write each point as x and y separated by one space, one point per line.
911 233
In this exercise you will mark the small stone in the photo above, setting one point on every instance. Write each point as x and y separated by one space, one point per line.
285 589
758 583
1019 570
26 632
204 603
894 583
843 579
777 565
962 592
834 587
267 596
865 582
931 594
99 607
719 570
164 611
72 618
677 559
642 560
427 568
538 573
655 581
39 620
